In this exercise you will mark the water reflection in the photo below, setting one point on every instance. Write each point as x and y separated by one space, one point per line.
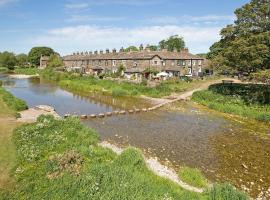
36 91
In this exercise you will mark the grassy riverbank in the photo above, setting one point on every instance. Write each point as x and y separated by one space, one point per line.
26 70
7 148
247 100
59 159
91 84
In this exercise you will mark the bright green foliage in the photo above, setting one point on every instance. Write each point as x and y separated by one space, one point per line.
91 84
131 48
60 159
250 101
8 60
22 60
11 101
55 61
245 45
26 71
173 42
226 192
261 76
36 52
193 177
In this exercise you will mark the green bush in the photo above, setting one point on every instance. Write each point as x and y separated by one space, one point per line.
26 70
1 83
226 192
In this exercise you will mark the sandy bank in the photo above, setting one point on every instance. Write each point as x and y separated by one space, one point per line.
22 76
30 115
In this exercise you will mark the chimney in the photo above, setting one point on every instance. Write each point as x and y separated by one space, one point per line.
164 50
90 52
101 52
185 51
73 53
122 49
86 53
96 52
78 53
114 51
148 48
141 47
107 51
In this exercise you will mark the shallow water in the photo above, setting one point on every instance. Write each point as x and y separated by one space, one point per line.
179 134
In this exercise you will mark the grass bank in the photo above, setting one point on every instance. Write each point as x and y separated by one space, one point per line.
91 84
7 147
246 100
60 159
26 70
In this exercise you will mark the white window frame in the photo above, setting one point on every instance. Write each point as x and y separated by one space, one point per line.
199 62
114 63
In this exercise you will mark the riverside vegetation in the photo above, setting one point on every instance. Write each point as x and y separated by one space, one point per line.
53 156
90 84
247 100
59 159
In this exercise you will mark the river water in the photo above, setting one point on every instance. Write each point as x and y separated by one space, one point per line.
225 148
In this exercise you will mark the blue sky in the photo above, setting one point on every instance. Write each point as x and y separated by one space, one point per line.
69 25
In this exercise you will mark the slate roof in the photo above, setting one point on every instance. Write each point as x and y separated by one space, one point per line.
140 55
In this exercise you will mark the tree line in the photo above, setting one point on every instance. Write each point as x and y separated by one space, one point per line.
32 59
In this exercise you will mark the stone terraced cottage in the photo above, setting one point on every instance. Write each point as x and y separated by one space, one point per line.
135 62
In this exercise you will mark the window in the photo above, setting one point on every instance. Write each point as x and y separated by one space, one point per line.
200 62
179 62
189 71
173 62
184 63
124 62
114 63
189 63
163 63
135 63
106 63
194 62
200 69
99 62
155 62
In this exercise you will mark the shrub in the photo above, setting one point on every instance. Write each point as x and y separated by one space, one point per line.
226 192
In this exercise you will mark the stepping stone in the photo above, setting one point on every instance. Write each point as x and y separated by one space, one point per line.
83 116
66 115
131 111
101 115
93 116
122 112
108 114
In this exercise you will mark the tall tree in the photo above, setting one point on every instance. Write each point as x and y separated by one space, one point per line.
8 60
36 52
245 45
22 60
55 61
173 42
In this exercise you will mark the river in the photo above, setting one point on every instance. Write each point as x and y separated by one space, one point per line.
226 148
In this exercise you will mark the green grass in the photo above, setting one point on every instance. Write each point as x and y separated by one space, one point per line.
11 101
26 70
232 104
60 159
226 192
7 148
91 84
193 177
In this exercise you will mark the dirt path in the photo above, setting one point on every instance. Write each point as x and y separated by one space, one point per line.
157 168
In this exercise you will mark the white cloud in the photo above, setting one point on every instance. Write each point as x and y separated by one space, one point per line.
77 6
207 19
95 18
80 38
5 2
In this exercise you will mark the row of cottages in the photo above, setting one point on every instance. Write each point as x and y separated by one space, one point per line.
135 62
